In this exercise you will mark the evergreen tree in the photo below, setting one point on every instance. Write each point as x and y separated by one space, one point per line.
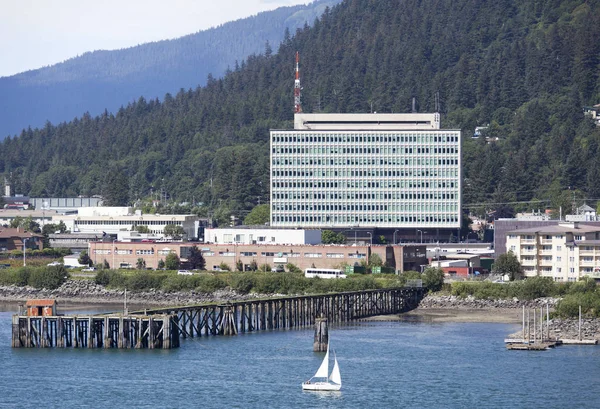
116 188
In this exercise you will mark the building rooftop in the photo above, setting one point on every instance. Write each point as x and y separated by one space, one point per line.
34 214
7 233
560 228
374 121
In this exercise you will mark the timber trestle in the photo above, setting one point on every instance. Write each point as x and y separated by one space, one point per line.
289 312
96 331
163 328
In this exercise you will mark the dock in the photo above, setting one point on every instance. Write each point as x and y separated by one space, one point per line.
109 331
163 328
541 336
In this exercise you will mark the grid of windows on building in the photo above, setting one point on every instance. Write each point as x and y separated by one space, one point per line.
366 178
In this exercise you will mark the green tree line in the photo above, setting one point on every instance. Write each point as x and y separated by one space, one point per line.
526 68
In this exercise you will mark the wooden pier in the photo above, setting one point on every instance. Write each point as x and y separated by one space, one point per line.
110 331
289 312
163 327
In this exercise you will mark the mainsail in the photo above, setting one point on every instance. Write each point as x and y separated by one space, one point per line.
324 368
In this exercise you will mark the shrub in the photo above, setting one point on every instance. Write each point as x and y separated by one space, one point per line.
208 283
242 283
569 305
50 277
292 268
15 276
536 287
144 280
433 279
102 277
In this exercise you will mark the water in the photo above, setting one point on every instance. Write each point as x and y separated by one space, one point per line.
383 365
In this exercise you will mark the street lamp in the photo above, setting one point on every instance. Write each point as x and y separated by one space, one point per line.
24 250
395 231
421 231
370 238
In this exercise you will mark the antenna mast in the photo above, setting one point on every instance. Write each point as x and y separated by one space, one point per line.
297 89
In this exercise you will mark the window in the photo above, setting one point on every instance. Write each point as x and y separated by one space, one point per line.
558 258
558 248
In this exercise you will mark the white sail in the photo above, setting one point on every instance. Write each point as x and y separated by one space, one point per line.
335 374
324 368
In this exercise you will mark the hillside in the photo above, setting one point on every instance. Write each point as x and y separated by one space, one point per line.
108 80
526 68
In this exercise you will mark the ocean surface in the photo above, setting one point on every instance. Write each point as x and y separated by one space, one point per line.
399 364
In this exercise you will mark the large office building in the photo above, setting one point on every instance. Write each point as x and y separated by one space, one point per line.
379 171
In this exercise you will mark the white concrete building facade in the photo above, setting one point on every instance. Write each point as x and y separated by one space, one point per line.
263 236
367 170
113 220
565 252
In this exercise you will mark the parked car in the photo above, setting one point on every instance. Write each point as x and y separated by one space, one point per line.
184 273
89 269
55 263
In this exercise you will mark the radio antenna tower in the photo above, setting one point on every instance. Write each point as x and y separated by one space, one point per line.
297 89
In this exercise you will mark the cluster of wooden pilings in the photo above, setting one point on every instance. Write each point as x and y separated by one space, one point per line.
110 331
289 312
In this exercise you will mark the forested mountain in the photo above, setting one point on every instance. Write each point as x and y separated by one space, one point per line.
108 80
525 67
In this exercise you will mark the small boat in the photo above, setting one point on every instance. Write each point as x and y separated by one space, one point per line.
324 382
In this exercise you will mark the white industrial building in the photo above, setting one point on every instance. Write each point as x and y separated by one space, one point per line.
113 220
263 236
366 170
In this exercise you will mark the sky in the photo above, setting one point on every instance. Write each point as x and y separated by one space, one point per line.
37 33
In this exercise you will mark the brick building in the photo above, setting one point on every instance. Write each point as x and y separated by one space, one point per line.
126 254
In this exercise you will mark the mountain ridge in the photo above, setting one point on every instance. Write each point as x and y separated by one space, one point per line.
61 91
522 68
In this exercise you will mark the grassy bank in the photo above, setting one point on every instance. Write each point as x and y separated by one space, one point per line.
584 293
243 282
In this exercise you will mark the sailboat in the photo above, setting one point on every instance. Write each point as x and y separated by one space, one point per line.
324 382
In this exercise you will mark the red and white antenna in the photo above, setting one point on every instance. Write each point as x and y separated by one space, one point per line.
297 89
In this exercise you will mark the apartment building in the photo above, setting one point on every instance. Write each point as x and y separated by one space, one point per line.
565 252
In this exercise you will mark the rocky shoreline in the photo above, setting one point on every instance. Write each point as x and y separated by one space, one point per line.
559 328
88 292
435 307
470 303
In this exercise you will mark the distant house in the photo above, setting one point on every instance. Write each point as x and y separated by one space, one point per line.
593 112
16 202
13 239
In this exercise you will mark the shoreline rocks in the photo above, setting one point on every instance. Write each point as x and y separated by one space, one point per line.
559 328
470 302
87 291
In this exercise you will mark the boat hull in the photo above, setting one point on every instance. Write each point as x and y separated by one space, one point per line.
320 386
